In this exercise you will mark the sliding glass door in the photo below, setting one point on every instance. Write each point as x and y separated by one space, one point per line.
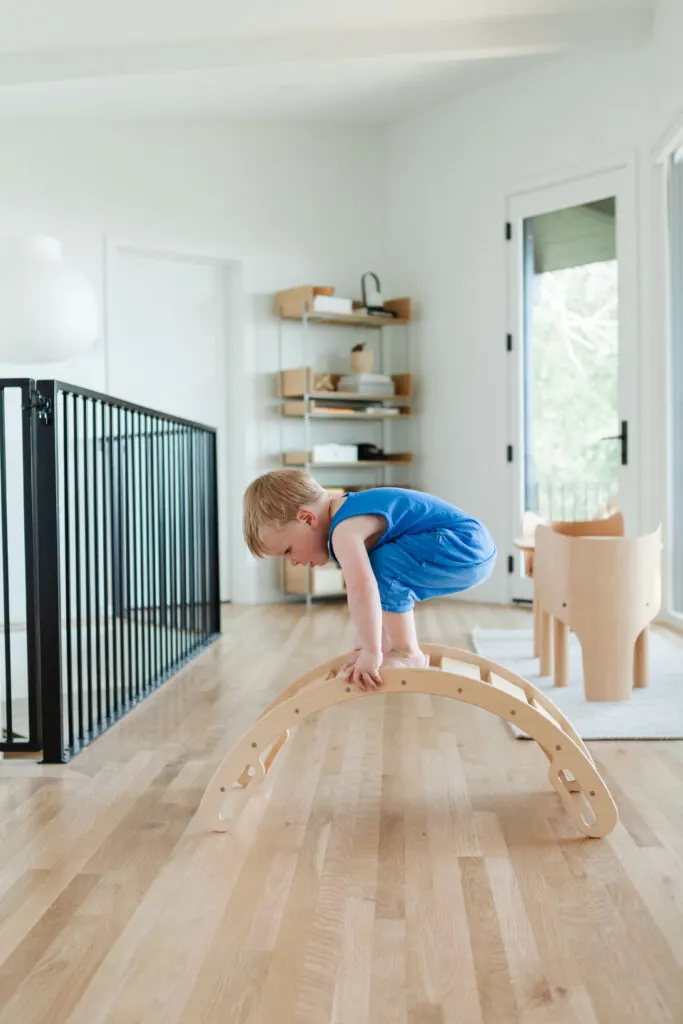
573 362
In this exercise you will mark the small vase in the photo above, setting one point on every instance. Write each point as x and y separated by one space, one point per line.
363 361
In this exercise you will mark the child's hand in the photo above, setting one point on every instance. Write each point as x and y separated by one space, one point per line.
364 671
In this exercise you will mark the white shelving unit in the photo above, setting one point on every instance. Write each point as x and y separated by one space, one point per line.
301 399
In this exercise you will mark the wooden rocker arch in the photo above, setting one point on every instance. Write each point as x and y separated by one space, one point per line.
461 675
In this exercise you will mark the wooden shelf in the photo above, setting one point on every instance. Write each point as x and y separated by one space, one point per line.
351 319
353 396
299 459
297 304
296 410
302 382
306 394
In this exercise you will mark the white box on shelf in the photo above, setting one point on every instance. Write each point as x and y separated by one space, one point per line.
367 383
332 304
334 453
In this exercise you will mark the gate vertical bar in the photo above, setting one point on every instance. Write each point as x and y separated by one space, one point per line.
96 551
192 543
88 581
67 572
204 537
113 563
214 568
133 497
125 505
77 545
175 575
106 447
182 442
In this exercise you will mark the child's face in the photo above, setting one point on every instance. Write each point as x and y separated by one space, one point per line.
302 542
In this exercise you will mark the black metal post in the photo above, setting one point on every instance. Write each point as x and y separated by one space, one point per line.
49 577
29 440
5 574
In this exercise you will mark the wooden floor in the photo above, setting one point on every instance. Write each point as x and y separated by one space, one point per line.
410 863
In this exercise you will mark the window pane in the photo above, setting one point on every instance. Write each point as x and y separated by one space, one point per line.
571 362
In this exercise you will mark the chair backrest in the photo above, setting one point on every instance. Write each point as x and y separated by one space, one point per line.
551 570
610 526
605 582
615 583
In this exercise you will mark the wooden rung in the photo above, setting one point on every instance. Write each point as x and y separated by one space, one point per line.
511 688
460 668
539 707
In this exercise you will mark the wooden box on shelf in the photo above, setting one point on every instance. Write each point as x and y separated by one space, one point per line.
326 580
292 303
302 380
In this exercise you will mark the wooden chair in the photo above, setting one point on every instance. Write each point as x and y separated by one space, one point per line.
605 589
461 675
611 526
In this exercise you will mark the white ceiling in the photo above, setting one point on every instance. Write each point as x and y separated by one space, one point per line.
358 60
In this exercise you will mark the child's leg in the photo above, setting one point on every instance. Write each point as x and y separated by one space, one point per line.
402 649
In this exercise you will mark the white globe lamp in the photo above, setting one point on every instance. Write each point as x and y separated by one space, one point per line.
48 312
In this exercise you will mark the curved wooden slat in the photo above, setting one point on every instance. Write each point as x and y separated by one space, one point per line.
572 772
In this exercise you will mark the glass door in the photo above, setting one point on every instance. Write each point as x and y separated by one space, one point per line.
574 367
675 420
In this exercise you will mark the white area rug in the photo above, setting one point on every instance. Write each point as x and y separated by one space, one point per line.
653 713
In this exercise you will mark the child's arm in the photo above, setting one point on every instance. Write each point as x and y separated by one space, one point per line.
363 596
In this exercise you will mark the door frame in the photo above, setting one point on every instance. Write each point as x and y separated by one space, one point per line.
670 142
230 442
617 179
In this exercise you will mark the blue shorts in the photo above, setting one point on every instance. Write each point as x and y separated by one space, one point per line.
436 563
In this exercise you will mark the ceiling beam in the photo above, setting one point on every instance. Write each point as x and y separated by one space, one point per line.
442 42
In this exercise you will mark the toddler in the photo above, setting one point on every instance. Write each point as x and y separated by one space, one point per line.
394 546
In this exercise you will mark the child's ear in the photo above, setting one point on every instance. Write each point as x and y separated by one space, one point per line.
304 515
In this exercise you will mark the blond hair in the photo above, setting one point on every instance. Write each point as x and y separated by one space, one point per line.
274 500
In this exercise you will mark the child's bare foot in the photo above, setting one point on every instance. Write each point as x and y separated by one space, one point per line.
405 659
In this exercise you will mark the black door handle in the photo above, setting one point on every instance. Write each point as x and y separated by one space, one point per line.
623 437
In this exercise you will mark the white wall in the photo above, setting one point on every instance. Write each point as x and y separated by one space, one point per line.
291 205
450 171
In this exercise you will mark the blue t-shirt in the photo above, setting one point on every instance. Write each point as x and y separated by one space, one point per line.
407 512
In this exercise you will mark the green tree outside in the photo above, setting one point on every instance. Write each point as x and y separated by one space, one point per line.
572 391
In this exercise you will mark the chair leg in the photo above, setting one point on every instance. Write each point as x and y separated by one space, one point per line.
608 664
545 643
537 628
641 661
561 653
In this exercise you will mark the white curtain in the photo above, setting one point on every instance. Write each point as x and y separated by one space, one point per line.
676 237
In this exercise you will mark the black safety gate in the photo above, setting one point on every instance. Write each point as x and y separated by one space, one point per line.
109 551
